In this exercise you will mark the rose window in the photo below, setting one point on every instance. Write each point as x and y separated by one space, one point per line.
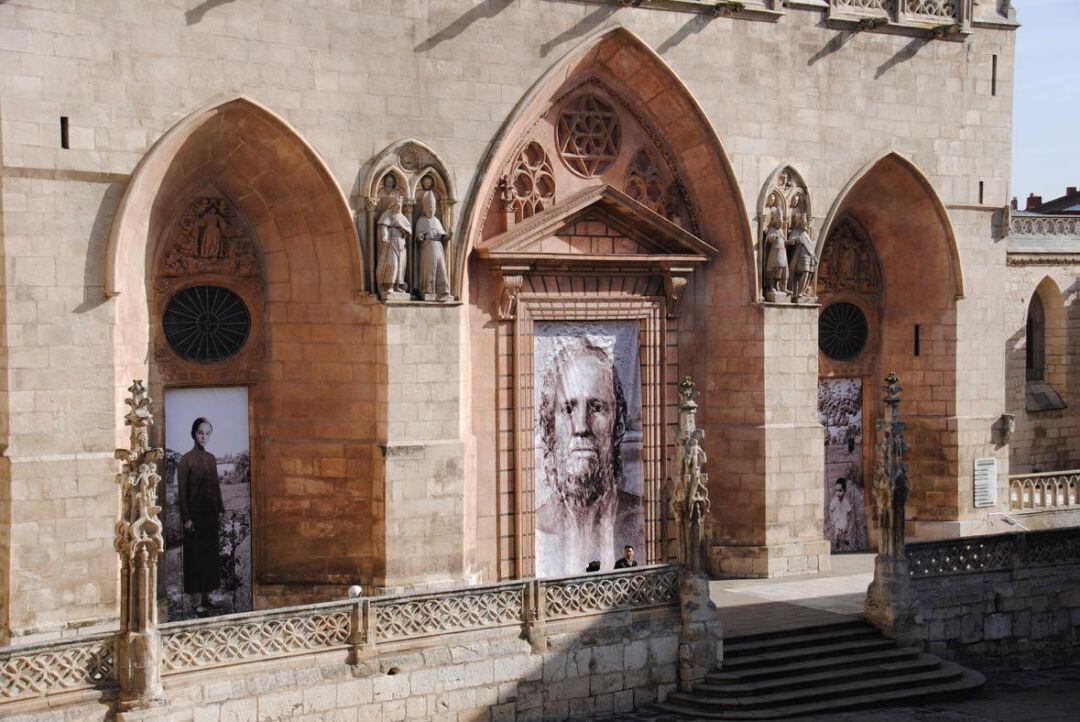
588 135
206 324
842 331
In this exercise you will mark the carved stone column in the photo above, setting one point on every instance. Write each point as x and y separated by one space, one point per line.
139 542
701 635
890 602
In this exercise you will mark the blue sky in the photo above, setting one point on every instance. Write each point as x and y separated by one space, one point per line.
1046 103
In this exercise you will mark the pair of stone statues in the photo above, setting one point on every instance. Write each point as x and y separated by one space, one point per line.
778 265
394 231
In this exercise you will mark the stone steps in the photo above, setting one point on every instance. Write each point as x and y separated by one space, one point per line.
818 669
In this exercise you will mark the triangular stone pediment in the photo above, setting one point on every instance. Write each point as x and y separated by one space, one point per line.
599 223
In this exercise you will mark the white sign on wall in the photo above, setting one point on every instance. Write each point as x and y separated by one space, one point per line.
986 482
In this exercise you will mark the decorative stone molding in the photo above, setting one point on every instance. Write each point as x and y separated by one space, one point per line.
139 542
1044 225
785 219
509 289
404 173
690 500
675 282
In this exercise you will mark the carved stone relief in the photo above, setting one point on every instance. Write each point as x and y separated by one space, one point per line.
208 238
588 135
787 247
209 251
399 227
848 261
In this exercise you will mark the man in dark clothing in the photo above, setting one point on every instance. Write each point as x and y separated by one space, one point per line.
627 560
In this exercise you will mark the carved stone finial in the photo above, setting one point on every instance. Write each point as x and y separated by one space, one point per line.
690 501
139 542
890 602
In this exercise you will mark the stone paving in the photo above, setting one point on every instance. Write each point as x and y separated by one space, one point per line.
1047 696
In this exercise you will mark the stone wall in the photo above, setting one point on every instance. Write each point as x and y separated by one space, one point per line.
1044 440
532 650
346 80
1001 602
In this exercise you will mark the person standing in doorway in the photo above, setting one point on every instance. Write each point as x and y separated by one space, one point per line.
201 507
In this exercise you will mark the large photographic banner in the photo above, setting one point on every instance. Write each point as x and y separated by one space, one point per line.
840 412
589 476
207 502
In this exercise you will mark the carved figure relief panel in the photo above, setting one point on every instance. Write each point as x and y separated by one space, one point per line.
786 244
208 295
589 135
409 244
848 261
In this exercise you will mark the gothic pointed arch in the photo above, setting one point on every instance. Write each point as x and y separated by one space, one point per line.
881 187
233 201
618 114
257 130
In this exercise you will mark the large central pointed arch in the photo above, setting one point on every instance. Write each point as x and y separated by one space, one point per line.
623 62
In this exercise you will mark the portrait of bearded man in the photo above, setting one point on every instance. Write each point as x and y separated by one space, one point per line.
582 422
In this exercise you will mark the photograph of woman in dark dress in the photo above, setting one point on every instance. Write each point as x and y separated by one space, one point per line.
201 507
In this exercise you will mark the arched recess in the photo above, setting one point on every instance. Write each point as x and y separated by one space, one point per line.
1046 346
620 60
913 327
606 197
314 381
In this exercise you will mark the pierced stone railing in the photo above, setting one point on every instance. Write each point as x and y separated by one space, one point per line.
975 555
360 624
1041 226
252 636
601 593
1046 490
44 669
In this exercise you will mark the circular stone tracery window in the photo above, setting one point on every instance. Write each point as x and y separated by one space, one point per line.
588 135
842 331
206 324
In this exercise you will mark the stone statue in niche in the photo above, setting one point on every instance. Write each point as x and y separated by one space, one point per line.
209 237
394 230
803 261
776 261
432 237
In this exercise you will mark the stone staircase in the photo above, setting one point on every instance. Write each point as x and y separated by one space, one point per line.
825 668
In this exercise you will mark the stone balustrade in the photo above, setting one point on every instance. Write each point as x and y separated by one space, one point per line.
975 555
1001 601
1045 490
1041 226
361 624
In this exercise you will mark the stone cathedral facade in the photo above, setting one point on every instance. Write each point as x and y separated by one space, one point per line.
364 220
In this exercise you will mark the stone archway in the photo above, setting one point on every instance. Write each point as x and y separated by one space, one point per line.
915 331
550 224
313 374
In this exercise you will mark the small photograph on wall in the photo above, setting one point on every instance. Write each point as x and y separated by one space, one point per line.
840 412
207 502
589 474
